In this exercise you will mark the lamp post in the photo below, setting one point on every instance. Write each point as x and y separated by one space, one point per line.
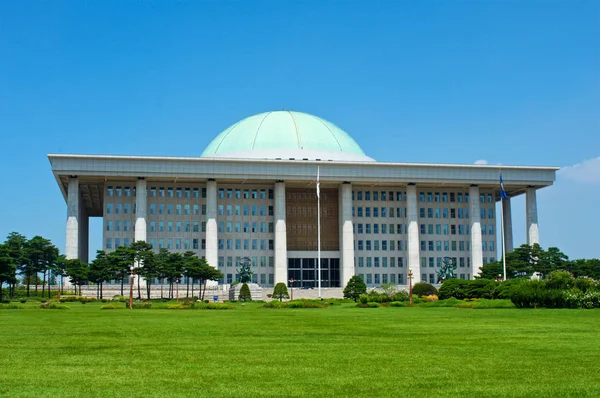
177 282
292 289
131 288
410 278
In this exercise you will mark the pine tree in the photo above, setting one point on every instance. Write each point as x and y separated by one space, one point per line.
280 291
355 287
245 293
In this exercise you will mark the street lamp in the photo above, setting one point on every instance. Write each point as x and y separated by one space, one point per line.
131 288
292 288
410 278
177 282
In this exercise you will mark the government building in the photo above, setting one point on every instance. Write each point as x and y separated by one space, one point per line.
252 194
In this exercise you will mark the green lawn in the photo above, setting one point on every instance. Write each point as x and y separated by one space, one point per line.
337 351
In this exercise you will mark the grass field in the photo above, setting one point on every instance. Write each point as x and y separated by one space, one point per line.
340 351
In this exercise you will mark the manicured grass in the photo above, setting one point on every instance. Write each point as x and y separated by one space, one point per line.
337 351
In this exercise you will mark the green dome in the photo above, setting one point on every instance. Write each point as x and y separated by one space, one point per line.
285 134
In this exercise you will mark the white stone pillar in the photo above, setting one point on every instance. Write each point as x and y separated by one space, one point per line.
212 243
72 241
412 218
347 235
140 210
533 233
84 228
508 233
281 266
476 249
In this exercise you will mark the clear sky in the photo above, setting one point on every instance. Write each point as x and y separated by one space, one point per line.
510 82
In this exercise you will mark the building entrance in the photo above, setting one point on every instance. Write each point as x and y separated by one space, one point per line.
304 272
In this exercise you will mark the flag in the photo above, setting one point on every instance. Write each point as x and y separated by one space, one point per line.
318 188
503 194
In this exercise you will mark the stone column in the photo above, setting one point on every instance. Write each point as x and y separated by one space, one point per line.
347 235
476 249
412 218
83 236
140 210
281 266
212 243
72 241
507 217
533 233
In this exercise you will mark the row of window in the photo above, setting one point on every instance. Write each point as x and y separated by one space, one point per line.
246 244
379 261
238 210
423 196
163 243
246 193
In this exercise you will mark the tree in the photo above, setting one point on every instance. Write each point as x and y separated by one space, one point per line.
121 260
280 291
100 271
78 272
389 289
142 253
8 269
245 294
355 287
207 273
15 244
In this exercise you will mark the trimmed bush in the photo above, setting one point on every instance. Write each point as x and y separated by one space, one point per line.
355 287
214 306
302 303
396 304
502 290
281 291
53 306
112 307
10 307
424 289
142 306
368 305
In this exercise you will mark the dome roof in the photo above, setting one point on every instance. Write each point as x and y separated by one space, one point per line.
284 135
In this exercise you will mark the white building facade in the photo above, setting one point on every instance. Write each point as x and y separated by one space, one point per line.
252 194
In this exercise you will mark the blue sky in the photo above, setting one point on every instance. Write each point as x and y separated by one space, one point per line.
446 82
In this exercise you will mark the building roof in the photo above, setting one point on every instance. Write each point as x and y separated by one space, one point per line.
285 135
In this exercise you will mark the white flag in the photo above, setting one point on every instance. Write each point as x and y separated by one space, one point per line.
318 188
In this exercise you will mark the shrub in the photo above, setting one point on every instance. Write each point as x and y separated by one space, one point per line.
245 293
215 306
451 288
534 294
5 301
401 295
303 303
585 283
177 307
53 306
479 288
275 304
396 304
560 280
142 306
355 287
368 305
22 300
112 307
10 307
121 299
502 290
363 299
424 289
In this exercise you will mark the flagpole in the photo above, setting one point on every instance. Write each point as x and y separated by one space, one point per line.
502 224
318 233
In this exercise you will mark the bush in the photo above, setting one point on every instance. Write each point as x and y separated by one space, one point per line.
535 294
424 289
479 288
502 290
10 307
142 306
368 305
302 303
177 307
70 299
585 283
22 300
53 306
401 295
245 293
396 304
112 307
363 299
5 301
121 299
562 280
214 306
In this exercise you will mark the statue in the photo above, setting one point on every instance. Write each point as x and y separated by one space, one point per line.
245 272
447 270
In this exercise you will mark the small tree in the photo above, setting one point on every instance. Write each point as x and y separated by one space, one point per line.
355 287
245 293
424 289
281 291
